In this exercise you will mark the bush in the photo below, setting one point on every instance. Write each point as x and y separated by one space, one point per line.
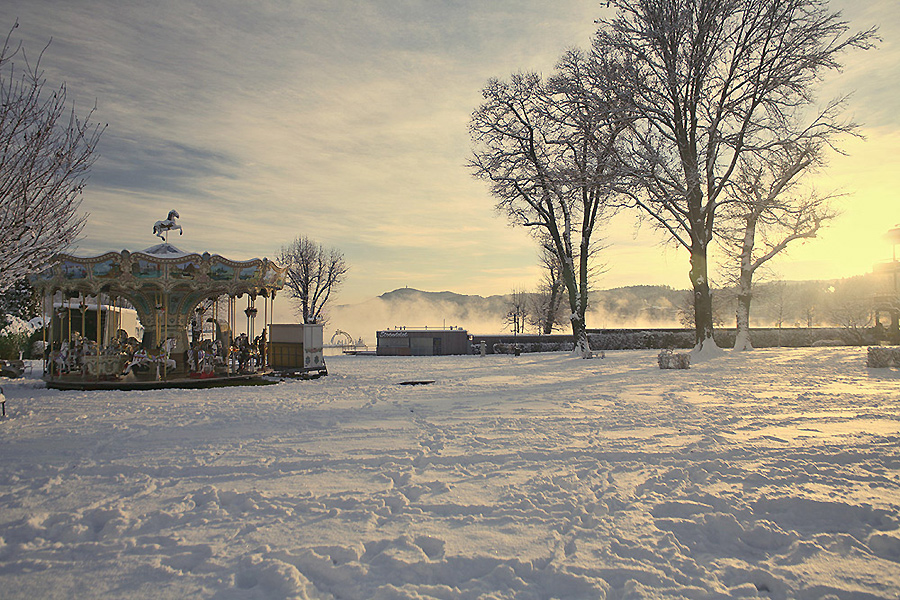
640 339
881 357
13 343
669 360
14 338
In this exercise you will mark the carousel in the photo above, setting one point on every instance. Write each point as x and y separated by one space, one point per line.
187 305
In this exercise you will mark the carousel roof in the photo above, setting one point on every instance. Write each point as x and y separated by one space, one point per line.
165 250
162 267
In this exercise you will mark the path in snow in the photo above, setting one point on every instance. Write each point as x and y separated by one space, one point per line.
774 474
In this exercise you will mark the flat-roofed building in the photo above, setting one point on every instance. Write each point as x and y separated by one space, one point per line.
423 342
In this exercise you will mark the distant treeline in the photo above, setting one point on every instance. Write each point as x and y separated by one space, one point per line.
658 339
846 304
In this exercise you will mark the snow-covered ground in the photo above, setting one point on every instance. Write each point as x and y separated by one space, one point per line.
774 473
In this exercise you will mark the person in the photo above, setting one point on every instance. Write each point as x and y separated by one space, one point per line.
261 346
878 329
243 351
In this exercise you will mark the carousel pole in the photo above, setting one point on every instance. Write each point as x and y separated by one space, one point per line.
264 350
158 303
49 354
57 332
271 318
99 314
45 355
69 318
165 328
82 306
53 328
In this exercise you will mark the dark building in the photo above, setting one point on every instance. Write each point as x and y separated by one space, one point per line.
423 342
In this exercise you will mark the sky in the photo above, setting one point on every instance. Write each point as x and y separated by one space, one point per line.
347 122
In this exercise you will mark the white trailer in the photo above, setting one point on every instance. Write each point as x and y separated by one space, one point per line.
297 348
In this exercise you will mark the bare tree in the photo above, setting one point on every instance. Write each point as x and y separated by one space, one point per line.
548 149
46 153
710 80
546 305
314 273
779 304
850 305
685 311
765 214
517 315
808 297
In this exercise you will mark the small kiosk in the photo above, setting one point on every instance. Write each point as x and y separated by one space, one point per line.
297 349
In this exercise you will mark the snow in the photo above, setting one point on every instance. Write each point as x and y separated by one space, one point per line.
165 250
706 350
770 474
15 325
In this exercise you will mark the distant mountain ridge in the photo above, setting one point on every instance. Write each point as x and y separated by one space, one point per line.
410 307
776 303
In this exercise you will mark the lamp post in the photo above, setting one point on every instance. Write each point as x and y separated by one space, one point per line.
889 300
251 312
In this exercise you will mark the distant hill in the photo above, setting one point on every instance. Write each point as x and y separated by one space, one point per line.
845 302
651 306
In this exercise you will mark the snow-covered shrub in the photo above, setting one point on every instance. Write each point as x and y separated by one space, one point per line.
669 360
14 337
827 343
880 357
640 340
501 348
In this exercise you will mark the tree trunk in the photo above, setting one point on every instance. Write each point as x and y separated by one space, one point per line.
742 339
745 287
579 334
578 305
552 307
703 315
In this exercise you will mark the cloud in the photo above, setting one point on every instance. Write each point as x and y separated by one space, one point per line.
345 121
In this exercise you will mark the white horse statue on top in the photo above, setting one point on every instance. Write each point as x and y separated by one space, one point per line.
167 225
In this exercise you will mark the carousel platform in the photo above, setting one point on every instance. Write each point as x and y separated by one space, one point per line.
182 382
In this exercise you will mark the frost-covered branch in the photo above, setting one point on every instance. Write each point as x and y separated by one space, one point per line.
549 150
711 81
46 153
314 273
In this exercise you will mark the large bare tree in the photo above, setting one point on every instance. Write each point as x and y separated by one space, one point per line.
548 149
314 274
46 153
711 80
766 212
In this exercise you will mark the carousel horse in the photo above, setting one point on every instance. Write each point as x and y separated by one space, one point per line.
204 360
167 225
144 358
61 358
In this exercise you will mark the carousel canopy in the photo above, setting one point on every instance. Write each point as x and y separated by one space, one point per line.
160 268
161 275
